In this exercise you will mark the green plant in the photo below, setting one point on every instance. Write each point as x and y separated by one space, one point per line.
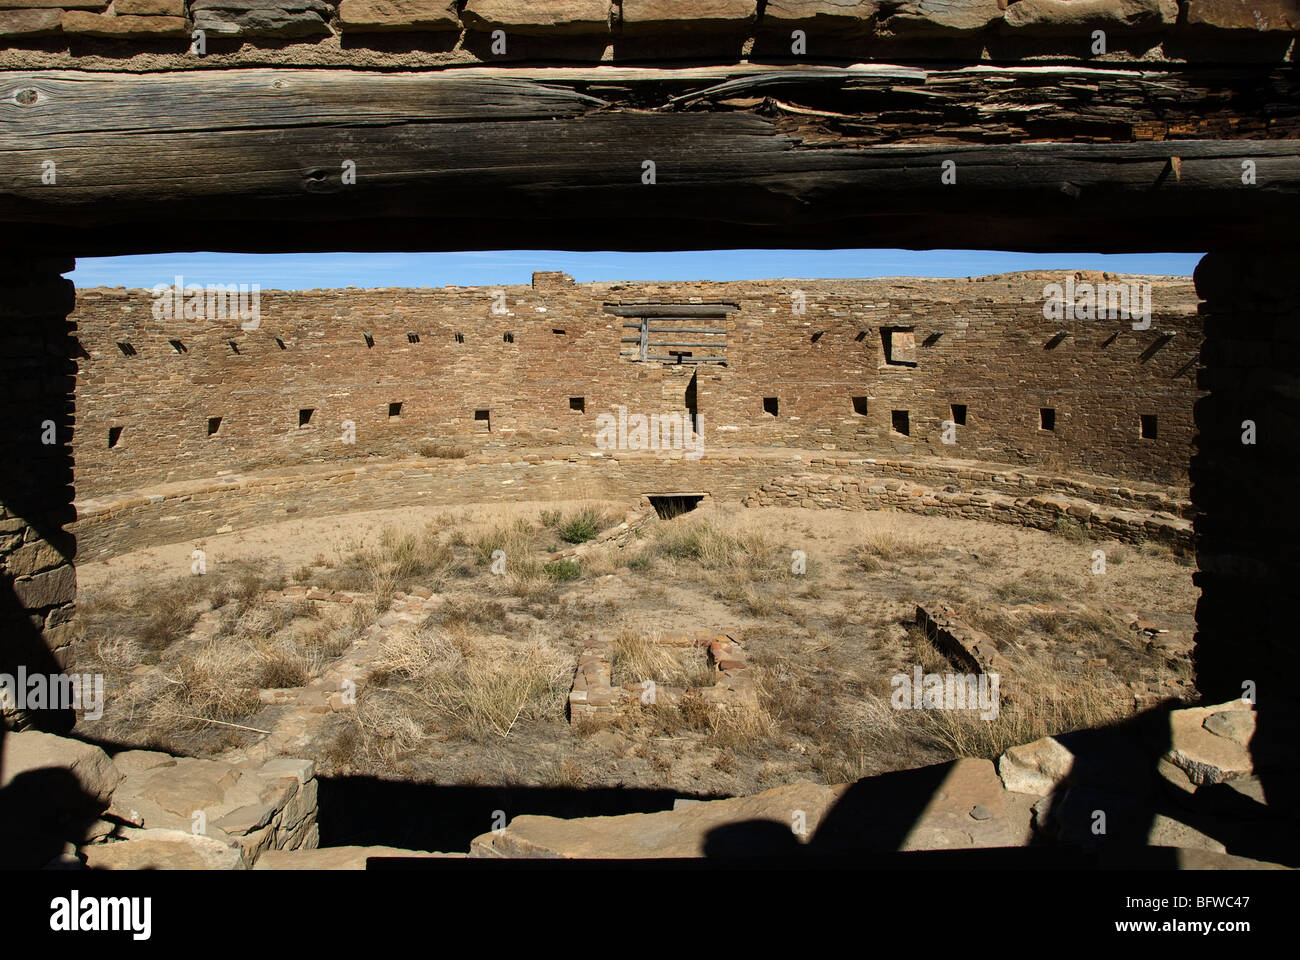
562 570
582 526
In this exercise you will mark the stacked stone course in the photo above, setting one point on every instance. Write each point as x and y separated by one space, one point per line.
594 30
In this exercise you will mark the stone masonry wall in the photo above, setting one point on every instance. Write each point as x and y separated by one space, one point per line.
37 580
156 34
174 512
164 401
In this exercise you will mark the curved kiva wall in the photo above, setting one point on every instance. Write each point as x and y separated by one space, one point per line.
871 367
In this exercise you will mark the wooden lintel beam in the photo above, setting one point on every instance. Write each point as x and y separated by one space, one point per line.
314 160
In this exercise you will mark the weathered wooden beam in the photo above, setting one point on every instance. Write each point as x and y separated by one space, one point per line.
100 163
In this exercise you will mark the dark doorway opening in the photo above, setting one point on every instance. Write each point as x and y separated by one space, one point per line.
672 505
693 401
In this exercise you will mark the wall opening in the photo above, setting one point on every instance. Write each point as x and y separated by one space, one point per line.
1147 426
304 416
899 345
508 337
860 406
394 410
177 345
693 401
370 341
1046 418
483 420
214 424
770 406
412 337
114 435
578 403
126 348
900 420
959 414
667 506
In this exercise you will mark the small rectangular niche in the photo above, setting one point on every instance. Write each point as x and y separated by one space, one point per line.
483 417
233 346
460 338
899 344
394 410
771 405
901 422
280 343
114 436
178 346
214 424
1047 418
578 403
370 340
1147 426
860 406
304 416
508 337
558 332
412 337
959 414
126 348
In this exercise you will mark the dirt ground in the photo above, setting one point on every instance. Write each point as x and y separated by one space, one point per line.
474 690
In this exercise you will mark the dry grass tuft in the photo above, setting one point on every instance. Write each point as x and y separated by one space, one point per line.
477 685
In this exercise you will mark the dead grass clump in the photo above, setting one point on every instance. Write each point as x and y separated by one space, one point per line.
891 542
1038 701
1033 586
166 626
479 686
638 657
214 684
403 559
744 552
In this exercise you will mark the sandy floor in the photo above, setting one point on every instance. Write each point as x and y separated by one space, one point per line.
827 640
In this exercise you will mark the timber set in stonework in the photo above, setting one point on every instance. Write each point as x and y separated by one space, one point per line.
918 125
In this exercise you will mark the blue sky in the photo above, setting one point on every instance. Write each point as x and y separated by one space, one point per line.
302 271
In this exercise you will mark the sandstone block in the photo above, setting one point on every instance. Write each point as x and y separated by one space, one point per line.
334 858
69 773
53 4
140 28
285 19
842 15
670 833
380 16
48 589
149 8
1064 17
164 850
131 762
1202 754
1262 16
29 23
922 18
1035 768
33 557
667 16
541 17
